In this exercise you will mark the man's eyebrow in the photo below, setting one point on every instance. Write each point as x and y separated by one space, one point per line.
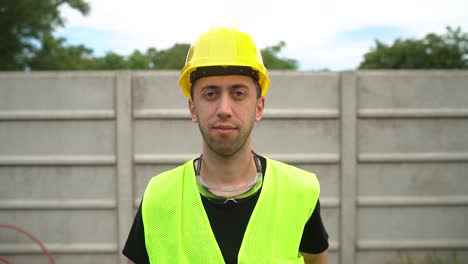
238 85
232 86
210 86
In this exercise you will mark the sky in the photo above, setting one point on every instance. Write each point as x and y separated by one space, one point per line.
327 34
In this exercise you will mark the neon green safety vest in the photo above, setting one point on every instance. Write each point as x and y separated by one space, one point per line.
177 229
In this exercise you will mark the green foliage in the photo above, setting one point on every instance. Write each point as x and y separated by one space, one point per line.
172 58
53 55
24 23
272 61
138 60
111 61
447 51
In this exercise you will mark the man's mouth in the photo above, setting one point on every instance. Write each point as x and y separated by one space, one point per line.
224 128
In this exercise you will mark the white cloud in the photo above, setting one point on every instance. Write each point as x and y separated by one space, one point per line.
308 27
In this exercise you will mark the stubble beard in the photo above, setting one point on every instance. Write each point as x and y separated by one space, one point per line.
226 147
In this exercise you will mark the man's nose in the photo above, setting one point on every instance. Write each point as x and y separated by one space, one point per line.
224 106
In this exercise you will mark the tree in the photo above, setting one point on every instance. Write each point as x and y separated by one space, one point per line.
172 58
447 51
53 55
23 23
111 61
272 61
138 61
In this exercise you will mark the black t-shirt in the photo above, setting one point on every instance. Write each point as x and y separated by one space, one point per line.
228 222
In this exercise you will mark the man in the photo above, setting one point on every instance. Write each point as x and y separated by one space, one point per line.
229 205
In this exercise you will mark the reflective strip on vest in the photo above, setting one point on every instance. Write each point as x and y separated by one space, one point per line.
177 228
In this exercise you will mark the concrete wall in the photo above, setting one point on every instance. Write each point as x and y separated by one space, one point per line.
390 149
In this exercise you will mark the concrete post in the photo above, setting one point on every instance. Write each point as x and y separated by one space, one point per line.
124 145
347 245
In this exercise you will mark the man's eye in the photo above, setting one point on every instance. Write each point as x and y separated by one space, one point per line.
210 94
239 94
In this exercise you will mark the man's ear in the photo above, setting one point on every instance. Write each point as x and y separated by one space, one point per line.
259 108
193 113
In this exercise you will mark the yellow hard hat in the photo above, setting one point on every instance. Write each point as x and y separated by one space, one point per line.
223 47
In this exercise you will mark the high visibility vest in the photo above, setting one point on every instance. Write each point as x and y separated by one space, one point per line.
177 228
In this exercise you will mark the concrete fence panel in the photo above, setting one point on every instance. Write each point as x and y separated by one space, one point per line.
390 149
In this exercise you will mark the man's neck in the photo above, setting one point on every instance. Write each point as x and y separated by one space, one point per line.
228 172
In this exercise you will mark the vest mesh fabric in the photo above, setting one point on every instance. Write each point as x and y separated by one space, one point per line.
177 229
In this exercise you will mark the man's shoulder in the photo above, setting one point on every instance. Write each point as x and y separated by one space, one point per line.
292 173
165 183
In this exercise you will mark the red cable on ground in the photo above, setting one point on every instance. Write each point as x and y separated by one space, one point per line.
5 260
19 229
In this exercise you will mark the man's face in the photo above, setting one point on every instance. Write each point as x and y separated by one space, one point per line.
226 108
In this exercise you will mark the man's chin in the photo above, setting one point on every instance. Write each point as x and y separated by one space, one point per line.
225 150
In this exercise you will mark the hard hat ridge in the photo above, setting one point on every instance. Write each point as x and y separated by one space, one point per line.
223 70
